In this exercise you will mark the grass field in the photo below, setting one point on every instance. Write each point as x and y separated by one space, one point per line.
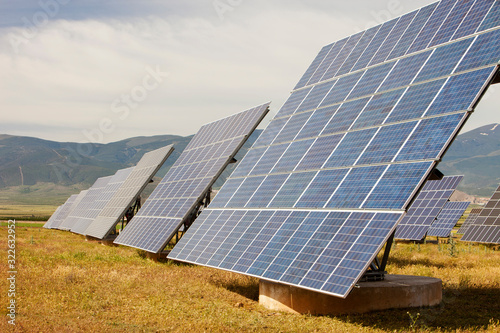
65 284
26 212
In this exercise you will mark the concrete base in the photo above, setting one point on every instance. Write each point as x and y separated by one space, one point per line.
396 291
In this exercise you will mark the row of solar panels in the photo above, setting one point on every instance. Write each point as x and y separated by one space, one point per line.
331 177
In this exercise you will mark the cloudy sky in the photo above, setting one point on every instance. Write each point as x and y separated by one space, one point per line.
105 70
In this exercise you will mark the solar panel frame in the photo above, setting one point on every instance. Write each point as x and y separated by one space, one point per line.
128 192
486 227
437 122
426 207
447 218
151 229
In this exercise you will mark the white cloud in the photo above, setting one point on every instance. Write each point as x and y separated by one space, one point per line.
66 79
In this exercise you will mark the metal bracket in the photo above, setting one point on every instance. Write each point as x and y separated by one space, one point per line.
376 271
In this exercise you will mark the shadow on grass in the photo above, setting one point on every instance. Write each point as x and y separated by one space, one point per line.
245 286
469 308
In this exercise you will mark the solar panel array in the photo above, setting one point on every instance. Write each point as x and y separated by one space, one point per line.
447 219
63 211
189 179
85 209
52 218
81 196
100 200
474 213
486 227
426 207
125 196
324 186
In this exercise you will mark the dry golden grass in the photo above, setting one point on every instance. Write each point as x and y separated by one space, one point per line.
66 284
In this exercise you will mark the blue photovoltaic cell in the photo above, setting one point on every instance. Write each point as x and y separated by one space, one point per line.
293 102
341 58
200 164
358 50
404 71
447 219
493 18
314 66
375 44
473 19
474 213
411 33
432 25
378 109
484 51
443 60
393 38
315 210
450 25
325 64
486 227
426 207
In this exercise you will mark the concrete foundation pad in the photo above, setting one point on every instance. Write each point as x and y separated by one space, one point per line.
396 291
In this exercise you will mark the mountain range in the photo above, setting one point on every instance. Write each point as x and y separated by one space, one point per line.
33 170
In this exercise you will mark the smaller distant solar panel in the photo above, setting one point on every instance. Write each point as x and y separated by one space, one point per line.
101 200
75 204
486 227
447 219
52 218
426 207
474 213
62 212
128 193
86 208
189 179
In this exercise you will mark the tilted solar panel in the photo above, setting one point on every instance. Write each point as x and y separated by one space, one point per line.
324 186
86 208
474 213
426 207
63 211
486 227
81 196
447 219
52 218
101 200
189 179
105 223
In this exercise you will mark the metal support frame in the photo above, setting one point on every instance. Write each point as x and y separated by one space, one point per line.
376 271
129 215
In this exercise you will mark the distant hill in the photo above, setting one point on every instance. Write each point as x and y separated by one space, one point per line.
475 154
35 171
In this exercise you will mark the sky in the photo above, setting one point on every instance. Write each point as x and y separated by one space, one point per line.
106 70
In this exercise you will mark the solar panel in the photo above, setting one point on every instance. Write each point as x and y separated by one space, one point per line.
447 219
105 223
323 188
47 224
474 213
81 196
63 211
101 200
486 227
85 209
426 207
189 179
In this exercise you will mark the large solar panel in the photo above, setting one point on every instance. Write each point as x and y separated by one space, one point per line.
426 207
86 209
474 213
447 219
81 196
486 227
189 179
323 188
62 212
52 218
105 223
101 200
